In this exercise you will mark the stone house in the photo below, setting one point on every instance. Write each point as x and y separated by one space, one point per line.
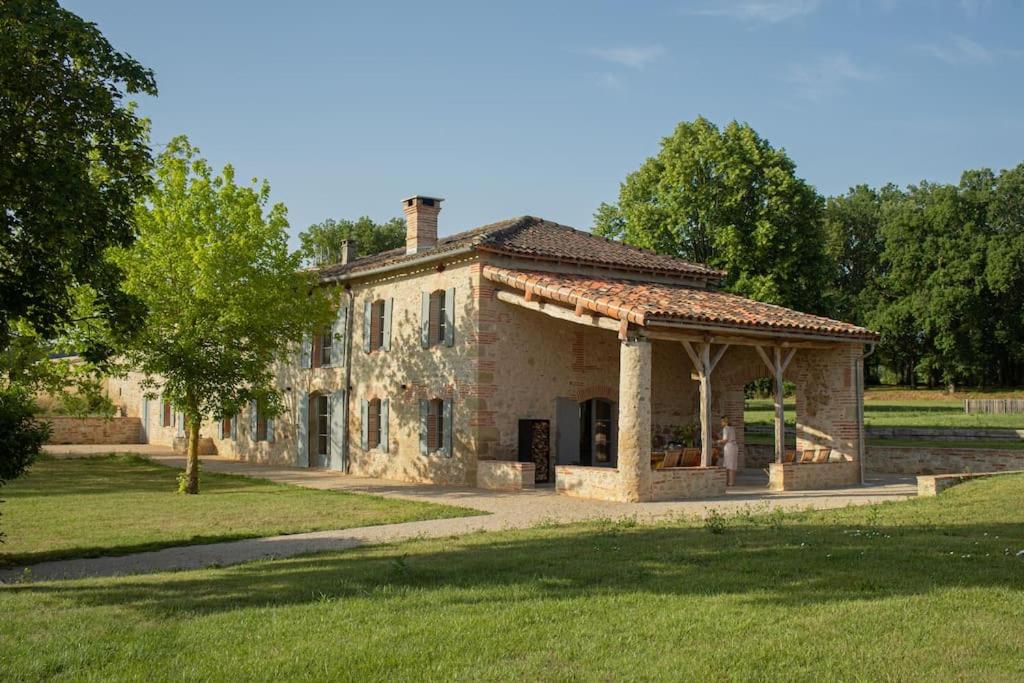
527 351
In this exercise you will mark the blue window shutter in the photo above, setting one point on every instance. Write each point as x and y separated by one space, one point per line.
449 317
446 438
252 420
302 429
338 429
305 352
424 319
270 430
424 417
367 314
181 423
145 420
385 442
234 427
387 323
338 343
364 424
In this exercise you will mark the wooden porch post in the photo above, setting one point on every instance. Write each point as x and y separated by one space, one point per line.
777 365
704 364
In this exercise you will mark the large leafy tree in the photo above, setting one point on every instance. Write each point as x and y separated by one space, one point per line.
729 199
321 242
73 159
225 297
1004 272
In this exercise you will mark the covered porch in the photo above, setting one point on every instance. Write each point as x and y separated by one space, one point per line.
685 356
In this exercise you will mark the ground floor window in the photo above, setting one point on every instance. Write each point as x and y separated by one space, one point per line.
167 418
373 423
225 428
322 412
435 426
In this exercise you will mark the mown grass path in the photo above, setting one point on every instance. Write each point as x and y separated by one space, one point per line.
923 589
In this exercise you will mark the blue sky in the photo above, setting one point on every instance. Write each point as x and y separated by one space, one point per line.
543 107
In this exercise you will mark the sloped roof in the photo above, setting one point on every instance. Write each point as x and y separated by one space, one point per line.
644 303
531 237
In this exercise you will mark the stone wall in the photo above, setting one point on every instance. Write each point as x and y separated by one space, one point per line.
505 475
602 483
812 476
682 483
942 460
933 485
94 430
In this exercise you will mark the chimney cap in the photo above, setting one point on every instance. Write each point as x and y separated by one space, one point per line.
415 199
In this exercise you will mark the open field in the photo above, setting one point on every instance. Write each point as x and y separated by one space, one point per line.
121 504
853 594
894 407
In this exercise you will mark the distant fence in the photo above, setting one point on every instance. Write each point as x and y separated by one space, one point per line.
994 405
929 433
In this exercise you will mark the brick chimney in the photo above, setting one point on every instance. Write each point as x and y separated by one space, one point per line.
420 222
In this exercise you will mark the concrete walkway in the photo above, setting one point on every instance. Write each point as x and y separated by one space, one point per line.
499 510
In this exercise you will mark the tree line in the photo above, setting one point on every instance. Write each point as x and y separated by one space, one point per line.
936 269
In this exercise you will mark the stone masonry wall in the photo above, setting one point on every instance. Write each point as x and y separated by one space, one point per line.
942 460
94 430
682 483
812 476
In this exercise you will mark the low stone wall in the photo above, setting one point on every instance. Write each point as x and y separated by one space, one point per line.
933 485
602 483
812 476
505 475
682 483
942 460
94 430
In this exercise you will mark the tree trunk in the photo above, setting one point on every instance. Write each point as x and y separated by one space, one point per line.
192 462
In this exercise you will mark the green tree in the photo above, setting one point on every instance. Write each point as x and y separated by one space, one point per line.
729 199
73 159
1004 272
321 242
225 297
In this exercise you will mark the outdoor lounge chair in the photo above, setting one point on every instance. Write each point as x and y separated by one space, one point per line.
822 455
671 458
807 456
691 457
789 456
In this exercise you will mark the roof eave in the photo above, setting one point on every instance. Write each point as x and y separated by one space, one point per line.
767 331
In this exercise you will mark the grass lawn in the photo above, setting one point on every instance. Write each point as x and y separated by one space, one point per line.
998 444
902 408
121 504
926 589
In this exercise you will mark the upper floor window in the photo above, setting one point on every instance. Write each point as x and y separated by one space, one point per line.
320 353
438 318
377 325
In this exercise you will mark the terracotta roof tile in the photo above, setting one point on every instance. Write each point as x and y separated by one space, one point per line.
642 303
537 238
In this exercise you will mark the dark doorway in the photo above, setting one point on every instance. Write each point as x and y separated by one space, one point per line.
535 446
320 430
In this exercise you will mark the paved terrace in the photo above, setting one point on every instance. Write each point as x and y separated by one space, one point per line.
499 510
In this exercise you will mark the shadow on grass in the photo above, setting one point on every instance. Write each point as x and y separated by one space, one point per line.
791 564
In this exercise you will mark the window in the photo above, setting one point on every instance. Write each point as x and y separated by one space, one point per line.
323 427
377 325
167 418
320 352
326 342
437 318
262 422
225 428
373 424
435 425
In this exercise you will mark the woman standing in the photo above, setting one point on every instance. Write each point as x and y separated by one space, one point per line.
730 452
